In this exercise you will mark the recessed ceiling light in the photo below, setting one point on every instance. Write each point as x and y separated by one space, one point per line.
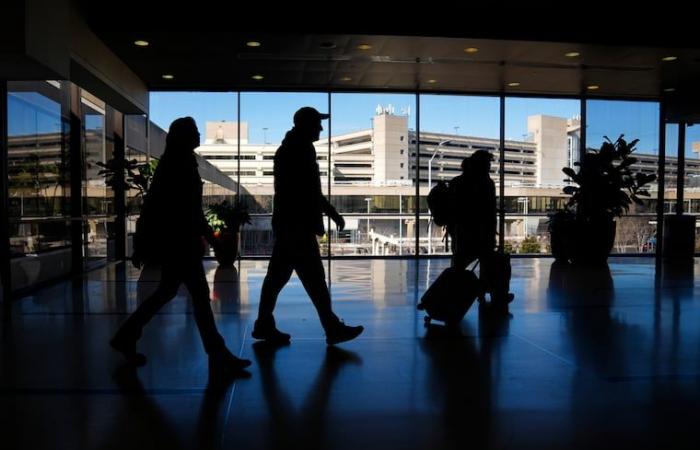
364 47
592 87
168 76
258 77
514 84
669 58
670 89
431 81
141 43
253 44
471 50
572 54
346 79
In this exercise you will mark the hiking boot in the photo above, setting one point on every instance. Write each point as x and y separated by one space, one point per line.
267 331
341 333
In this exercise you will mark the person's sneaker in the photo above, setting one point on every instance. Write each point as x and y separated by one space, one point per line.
128 349
226 364
341 333
269 332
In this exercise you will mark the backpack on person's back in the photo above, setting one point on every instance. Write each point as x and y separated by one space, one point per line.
441 204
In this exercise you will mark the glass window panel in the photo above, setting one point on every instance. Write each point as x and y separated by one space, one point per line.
266 117
216 116
542 137
452 129
38 166
691 187
636 230
373 139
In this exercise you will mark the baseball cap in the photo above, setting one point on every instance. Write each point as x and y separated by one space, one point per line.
307 115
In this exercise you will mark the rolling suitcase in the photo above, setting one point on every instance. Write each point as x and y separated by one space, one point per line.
451 295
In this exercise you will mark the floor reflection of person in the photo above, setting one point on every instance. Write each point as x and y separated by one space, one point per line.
304 428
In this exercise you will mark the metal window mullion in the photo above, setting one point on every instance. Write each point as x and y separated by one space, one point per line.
238 148
680 169
584 122
5 271
417 179
76 152
120 189
661 182
328 181
501 175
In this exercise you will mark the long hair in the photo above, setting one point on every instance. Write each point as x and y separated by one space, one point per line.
178 159
182 138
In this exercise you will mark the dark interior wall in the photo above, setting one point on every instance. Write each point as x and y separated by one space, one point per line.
48 39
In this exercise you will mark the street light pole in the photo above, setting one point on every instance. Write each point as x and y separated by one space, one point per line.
400 228
430 185
524 201
368 200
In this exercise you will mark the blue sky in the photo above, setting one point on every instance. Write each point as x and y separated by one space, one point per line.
474 116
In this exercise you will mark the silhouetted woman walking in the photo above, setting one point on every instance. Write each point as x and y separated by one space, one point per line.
170 232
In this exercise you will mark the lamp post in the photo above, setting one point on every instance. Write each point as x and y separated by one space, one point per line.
524 201
430 185
400 228
264 135
368 200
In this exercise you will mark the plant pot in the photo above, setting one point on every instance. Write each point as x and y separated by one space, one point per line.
679 237
227 250
560 237
592 241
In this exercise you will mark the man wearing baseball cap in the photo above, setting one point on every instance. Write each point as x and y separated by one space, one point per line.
297 219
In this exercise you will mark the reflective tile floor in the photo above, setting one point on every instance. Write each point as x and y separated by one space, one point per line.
606 358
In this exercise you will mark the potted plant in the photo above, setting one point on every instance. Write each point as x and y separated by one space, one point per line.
561 223
134 175
226 220
584 231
